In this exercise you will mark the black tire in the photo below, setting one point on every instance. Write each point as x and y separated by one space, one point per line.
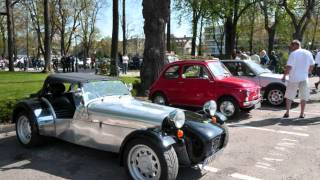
36 139
235 104
168 158
280 89
160 95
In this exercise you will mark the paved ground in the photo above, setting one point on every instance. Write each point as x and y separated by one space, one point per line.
262 146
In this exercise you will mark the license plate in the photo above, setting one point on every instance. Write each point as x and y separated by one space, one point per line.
258 105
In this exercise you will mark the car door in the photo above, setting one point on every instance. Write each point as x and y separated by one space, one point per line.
171 84
195 85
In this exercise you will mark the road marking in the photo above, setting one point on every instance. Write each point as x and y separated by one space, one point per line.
272 159
281 149
243 177
285 144
211 169
16 164
270 130
300 128
264 167
275 154
291 140
264 164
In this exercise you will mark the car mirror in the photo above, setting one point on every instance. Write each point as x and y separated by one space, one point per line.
129 86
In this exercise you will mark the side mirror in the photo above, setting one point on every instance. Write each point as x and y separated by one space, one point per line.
129 86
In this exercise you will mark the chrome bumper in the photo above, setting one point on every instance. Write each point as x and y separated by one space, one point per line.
256 103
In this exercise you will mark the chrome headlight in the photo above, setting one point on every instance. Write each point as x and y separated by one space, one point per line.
177 117
210 108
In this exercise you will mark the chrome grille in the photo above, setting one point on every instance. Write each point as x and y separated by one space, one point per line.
216 143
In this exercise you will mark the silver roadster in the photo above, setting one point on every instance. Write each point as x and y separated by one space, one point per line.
99 112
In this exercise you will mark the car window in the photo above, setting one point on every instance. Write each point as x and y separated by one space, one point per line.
239 69
172 72
232 68
195 71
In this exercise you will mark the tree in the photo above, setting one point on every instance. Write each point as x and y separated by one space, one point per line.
300 17
9 13
3 36
124 45
271 13
47 37
231 11
169 29
155 14
115 34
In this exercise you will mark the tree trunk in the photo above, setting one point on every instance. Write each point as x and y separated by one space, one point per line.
252 19
169 29
315 29
124 30
4 41
200 38
230 37
15 51
194 32
298 34
47 37
271 37
156 14
115 33
10 35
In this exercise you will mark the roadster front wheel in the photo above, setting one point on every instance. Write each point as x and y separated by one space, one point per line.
27 130
146 160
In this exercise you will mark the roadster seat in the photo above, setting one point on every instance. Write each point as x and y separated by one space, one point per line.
62 106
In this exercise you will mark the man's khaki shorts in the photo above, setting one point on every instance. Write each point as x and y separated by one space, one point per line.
293 87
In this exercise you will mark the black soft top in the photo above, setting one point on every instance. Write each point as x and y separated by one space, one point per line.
77 77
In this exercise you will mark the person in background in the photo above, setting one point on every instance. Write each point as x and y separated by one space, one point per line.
318 69
264 59
255 57
299 65
125 61
273 61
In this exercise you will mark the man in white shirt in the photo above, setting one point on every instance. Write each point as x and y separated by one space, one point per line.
318 68
299 65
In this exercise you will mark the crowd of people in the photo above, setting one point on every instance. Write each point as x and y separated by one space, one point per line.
268 61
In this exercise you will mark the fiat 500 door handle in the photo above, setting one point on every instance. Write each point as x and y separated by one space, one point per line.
180 82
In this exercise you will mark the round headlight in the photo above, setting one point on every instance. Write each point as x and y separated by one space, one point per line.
178 118
210 107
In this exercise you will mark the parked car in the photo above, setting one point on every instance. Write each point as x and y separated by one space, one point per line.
99 112
192 83
272 86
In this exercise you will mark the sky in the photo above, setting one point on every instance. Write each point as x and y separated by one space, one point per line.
135 21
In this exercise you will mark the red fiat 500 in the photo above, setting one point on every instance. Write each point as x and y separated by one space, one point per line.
192 83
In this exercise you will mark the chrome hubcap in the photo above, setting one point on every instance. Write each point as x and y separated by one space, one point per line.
227 108
275 97
24 129
159 100
143 163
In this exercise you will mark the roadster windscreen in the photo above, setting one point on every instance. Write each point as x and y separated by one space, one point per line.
97 89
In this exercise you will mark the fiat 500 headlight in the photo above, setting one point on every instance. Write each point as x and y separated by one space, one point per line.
177 117
210 108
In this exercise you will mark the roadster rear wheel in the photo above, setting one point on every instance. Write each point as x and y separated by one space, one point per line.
146 160
27 131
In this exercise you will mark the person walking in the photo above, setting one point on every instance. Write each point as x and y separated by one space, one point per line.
318 69
299 65
125 61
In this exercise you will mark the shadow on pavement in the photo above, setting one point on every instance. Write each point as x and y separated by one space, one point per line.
283 122
60 159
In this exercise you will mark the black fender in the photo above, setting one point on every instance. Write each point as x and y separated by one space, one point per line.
28 106
157 137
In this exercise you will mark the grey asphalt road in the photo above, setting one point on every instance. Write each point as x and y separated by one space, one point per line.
262 146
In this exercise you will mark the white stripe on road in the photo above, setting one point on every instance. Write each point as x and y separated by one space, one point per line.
291 140
275 154
243 177
300 128
211 169
264 167
270 130
290 145
264 164
272 159
281 149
